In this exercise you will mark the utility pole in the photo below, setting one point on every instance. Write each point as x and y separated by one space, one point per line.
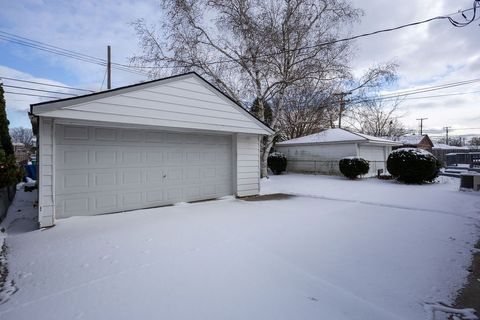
342 106
421 125
109 67
446 134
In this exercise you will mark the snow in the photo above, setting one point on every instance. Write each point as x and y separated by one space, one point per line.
335 135
342 249
448 147
420 152
410 139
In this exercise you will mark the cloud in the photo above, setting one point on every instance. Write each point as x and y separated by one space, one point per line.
428 54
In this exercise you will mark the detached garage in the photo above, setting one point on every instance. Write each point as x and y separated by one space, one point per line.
152 144
321 152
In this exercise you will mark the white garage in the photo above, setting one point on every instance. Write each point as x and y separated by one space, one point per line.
321 152
157 143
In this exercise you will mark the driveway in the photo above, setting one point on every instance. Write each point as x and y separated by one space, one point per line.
331 254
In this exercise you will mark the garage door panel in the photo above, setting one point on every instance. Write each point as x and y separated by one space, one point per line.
132 176
108 201
101 170
133 198
105 134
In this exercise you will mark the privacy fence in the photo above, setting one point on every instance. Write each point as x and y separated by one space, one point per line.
441 154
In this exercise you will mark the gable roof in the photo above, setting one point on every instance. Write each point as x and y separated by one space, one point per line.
336 135
414 139
208 104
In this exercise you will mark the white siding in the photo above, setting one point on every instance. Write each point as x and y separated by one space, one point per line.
104 170
377 157
248 165
185 102
316 158
46 197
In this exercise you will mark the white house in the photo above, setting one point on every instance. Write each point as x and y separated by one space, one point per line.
321 152
151 144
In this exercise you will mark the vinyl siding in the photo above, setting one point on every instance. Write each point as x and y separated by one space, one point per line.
183 103
316 158
248 165
377 156
46 198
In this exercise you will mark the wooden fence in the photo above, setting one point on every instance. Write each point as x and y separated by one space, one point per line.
441 154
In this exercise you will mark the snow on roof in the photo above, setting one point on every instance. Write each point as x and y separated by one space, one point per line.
336 135
411 139
446 146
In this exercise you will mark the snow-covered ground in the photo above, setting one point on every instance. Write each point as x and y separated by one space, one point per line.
342 249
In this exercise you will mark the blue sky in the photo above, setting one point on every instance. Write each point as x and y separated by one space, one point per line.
427 55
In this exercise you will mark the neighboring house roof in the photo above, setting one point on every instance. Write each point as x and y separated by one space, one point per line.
101 107
414 139
411 139
337 135
447 147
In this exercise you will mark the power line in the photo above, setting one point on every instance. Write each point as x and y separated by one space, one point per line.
63 52
418 98
40 90
442 95
418 91
45 84
455 23
31 94
87 58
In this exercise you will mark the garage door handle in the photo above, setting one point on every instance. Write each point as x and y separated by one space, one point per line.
164 175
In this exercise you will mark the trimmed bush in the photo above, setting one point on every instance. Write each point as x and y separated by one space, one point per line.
277 162
412 165
352 167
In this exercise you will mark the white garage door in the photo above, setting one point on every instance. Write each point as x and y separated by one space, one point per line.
103 170
376 156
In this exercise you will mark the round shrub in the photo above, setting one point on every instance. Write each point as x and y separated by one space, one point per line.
352 167
412 165
277 162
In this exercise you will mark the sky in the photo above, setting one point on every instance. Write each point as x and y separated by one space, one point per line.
427 55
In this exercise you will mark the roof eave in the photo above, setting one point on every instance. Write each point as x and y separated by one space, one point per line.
57 104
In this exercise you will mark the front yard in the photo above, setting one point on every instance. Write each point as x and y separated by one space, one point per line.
340 249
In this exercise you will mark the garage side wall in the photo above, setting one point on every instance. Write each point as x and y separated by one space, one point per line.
46 200
322 158
248 165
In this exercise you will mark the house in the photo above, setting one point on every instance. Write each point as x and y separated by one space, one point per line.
415 141
20 151
321 152
156 143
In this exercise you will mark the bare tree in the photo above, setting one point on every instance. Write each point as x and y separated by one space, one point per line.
352 90
251 49
22 135
306 111
377 118
475 141
455 141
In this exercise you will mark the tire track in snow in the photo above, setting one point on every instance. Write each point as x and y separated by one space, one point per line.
378 204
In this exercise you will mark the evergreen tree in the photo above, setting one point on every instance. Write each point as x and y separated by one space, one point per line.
267 111
5 140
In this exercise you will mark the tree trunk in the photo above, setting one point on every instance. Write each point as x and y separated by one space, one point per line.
268 141
267 146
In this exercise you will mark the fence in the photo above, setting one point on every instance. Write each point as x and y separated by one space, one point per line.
441 154
472 158
329 167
